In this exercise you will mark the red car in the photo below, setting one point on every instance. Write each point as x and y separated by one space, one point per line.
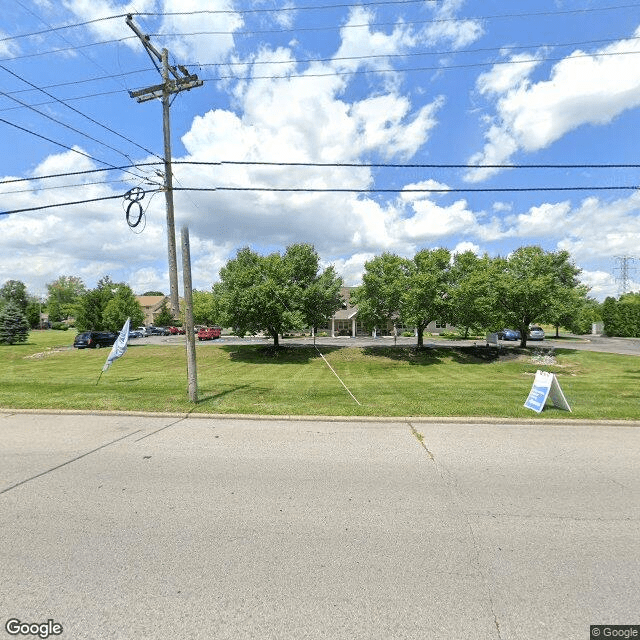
209 333
176 331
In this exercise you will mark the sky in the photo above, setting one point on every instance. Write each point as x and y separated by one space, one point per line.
388 126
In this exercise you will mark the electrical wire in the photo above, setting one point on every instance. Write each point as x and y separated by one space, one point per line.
413 190
345 190
76 173
586 10
64 146
84 115
292 30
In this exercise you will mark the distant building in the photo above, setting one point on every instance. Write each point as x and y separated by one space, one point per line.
151 307
345 322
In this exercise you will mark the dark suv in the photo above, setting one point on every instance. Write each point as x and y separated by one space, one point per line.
94 339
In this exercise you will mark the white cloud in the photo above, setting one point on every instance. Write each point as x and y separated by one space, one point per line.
459 33
463 247
544 221
86 10
581 89
196 45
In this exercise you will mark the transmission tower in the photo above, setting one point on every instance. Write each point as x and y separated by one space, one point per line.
625 270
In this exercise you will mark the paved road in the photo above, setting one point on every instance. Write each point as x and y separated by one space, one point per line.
172 528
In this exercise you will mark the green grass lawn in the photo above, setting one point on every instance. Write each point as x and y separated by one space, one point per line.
252 379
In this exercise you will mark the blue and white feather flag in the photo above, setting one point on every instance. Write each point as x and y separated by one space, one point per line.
119 346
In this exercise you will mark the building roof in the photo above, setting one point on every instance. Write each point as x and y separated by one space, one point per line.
151 302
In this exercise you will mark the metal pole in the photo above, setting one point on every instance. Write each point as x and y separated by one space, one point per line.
168 188
192 372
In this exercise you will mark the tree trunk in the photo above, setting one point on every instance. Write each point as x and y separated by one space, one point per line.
276 337
420 329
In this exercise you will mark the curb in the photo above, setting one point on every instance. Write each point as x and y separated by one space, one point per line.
302 418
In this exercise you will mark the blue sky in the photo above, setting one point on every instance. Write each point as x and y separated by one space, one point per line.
444 82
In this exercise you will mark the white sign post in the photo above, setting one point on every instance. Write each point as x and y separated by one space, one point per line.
546 385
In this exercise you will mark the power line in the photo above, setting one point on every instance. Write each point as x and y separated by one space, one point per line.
383 165
84 115
74 173
306 75
410 54
59 204
346 190
290 30
419 165
469 65
64 146
412 190
318 7
347 73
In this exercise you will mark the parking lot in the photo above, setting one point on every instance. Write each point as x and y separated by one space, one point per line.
623 346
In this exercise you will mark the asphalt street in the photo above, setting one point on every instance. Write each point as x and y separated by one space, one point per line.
166 527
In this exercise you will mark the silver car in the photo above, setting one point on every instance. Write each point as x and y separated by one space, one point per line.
536 333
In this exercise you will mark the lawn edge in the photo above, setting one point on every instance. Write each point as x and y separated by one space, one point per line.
540 421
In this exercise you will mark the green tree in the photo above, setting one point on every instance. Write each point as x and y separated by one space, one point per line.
14 327
526 285
321 299
14 291
91 305
90 308
609 312
589 313
206 307
121 306
271 293
565 309
426 296
64 295
380 296
32 312
164 317
469 296
153 293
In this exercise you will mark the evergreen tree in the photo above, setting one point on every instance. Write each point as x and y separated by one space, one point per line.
13 324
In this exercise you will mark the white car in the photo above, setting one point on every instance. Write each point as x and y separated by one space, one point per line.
536 333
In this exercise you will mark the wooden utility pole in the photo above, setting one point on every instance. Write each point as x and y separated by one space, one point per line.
192 372
174 80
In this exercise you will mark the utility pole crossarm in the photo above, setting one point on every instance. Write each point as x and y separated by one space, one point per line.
182 81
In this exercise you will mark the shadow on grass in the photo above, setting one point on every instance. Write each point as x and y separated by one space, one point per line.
429 355
216 396
284 354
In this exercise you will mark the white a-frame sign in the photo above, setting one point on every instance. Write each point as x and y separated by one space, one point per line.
546 385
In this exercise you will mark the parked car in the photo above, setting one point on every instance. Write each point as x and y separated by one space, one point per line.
157 331
536 333
94 339
176 331
508 334
209 333
135 333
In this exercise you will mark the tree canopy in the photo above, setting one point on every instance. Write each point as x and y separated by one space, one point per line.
14 291
530 285
277 293
107 307
527 285
64 295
